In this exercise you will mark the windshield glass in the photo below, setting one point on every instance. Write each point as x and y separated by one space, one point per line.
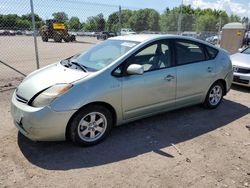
103 54
246 51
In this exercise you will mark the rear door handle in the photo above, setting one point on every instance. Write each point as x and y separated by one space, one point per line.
169 77
209 69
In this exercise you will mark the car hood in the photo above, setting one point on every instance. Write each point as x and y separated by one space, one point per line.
46 77
241 60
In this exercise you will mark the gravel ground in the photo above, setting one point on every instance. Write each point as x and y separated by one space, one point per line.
19 52
213 150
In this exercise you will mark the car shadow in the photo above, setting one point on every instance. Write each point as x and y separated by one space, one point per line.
127 141
240 88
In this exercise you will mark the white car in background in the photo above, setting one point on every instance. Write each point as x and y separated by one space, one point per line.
190 34
127 31
241 67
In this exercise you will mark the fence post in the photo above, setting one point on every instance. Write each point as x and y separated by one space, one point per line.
120 19
180 19
34 33
220 23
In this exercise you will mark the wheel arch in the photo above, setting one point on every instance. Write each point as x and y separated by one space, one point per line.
223 82
100 103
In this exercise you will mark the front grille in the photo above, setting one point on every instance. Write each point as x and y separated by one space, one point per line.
237 79
21 99
241 70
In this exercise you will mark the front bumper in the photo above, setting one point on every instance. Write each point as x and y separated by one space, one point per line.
241 79
40 124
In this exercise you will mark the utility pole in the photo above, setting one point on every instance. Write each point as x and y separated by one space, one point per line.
219 29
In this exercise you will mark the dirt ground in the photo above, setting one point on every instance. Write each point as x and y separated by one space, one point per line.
214 148
19 52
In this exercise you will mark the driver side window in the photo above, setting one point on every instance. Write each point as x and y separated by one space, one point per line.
152 57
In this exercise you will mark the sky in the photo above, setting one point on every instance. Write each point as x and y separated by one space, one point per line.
87 8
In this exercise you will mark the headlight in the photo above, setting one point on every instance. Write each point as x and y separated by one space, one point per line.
50 94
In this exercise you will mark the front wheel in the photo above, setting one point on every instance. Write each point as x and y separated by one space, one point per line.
45 38
57 37
90 125
214 96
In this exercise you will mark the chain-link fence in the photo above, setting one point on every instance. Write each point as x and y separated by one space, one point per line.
63 28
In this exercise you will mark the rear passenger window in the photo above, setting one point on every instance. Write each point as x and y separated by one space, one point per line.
212 53
189 52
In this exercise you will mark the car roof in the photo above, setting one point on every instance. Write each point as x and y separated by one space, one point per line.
149 37
138 37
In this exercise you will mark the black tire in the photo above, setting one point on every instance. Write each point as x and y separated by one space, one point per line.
208 103
76 130
72 38
45 38
57 37
66 38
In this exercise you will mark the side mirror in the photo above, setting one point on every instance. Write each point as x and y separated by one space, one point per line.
135 69
240 49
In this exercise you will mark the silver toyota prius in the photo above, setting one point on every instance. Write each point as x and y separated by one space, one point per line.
122 79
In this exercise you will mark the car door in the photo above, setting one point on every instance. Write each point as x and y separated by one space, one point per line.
194 72
154 90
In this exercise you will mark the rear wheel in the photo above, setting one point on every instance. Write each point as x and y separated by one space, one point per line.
214 95
90 125
66 38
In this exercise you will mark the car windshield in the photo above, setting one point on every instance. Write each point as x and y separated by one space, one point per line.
104 53
246 51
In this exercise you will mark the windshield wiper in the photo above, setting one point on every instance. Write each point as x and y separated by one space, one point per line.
79 65
70 63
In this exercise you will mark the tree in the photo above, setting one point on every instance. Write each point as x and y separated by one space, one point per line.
169 21
100 21
74 23
23 24
112 22
95 23
29 17
206 23
9 21
60 17
127 20
146 19
234 18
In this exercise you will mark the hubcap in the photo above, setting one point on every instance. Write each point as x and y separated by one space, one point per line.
92 126
215 95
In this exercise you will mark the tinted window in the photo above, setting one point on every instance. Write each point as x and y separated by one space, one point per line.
152 57
211 52
188 52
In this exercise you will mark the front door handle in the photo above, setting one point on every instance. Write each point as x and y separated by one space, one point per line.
169 77
209 69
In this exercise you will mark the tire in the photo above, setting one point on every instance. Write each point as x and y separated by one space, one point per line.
57 37
45 38
90 125
72 38
66 38
214 96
